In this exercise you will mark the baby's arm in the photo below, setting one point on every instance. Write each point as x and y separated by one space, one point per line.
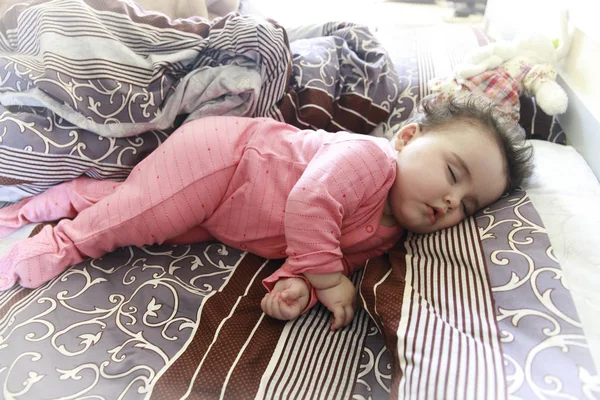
340 178
336 292
287 299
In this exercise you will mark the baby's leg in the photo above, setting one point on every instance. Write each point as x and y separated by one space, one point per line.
61 201
170 192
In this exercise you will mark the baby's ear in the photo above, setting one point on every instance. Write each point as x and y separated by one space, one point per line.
405 135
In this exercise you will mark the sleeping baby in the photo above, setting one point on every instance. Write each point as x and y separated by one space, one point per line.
326 202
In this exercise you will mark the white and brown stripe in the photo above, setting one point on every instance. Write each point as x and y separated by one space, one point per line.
313 362
29 173
231 331
242 35
51 168
449 344
237 352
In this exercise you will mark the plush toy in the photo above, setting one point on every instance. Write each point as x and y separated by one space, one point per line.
505 69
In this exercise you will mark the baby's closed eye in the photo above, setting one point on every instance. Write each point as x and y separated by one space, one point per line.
453 177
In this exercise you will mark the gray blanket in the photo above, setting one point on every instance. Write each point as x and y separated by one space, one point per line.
113 74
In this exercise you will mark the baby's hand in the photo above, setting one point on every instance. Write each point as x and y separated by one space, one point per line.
287 300
339 299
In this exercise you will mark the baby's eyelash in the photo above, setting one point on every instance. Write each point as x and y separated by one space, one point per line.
452 173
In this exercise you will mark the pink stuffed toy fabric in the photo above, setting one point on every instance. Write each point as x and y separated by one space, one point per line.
504 70
505 84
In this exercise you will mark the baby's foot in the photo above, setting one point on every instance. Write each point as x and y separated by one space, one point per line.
8 277
11 218
36 260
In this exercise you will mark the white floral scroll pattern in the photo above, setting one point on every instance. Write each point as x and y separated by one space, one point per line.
346 59
406 63
104 328
375 373
38 130
545 351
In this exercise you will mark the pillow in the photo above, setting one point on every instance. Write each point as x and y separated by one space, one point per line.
566 194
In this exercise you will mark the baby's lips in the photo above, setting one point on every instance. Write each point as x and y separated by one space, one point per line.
431 213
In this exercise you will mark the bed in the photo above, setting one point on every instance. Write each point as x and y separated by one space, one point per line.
479 311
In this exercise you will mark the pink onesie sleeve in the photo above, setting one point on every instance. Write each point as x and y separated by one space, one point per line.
341 177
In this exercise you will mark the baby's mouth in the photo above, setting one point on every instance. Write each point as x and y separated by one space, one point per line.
432 214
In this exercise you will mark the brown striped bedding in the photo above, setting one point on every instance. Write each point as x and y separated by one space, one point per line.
482 315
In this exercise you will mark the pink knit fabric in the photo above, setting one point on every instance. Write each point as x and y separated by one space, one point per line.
254 184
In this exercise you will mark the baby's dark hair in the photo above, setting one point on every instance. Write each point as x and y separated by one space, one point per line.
433 111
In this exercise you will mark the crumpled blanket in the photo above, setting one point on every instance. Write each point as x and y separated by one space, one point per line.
110 69
89 87
342 79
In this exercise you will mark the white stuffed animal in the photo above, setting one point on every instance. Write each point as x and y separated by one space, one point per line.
505 69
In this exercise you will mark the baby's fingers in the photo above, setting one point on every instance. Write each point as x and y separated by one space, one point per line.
349 314
342 316
270 305
274 306
291 294
339 315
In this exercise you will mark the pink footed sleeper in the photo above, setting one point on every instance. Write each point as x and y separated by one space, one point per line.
255 184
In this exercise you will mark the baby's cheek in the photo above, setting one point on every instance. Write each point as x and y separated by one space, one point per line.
459 218
452 220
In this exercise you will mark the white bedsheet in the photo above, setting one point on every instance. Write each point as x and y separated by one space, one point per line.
566 194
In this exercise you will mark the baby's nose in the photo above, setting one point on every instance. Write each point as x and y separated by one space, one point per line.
451 202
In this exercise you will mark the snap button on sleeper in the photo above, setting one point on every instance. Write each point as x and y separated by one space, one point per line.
369 228
243 246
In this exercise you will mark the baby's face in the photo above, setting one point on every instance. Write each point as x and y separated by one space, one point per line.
444 175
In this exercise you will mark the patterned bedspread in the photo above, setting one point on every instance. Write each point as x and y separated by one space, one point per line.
486 318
